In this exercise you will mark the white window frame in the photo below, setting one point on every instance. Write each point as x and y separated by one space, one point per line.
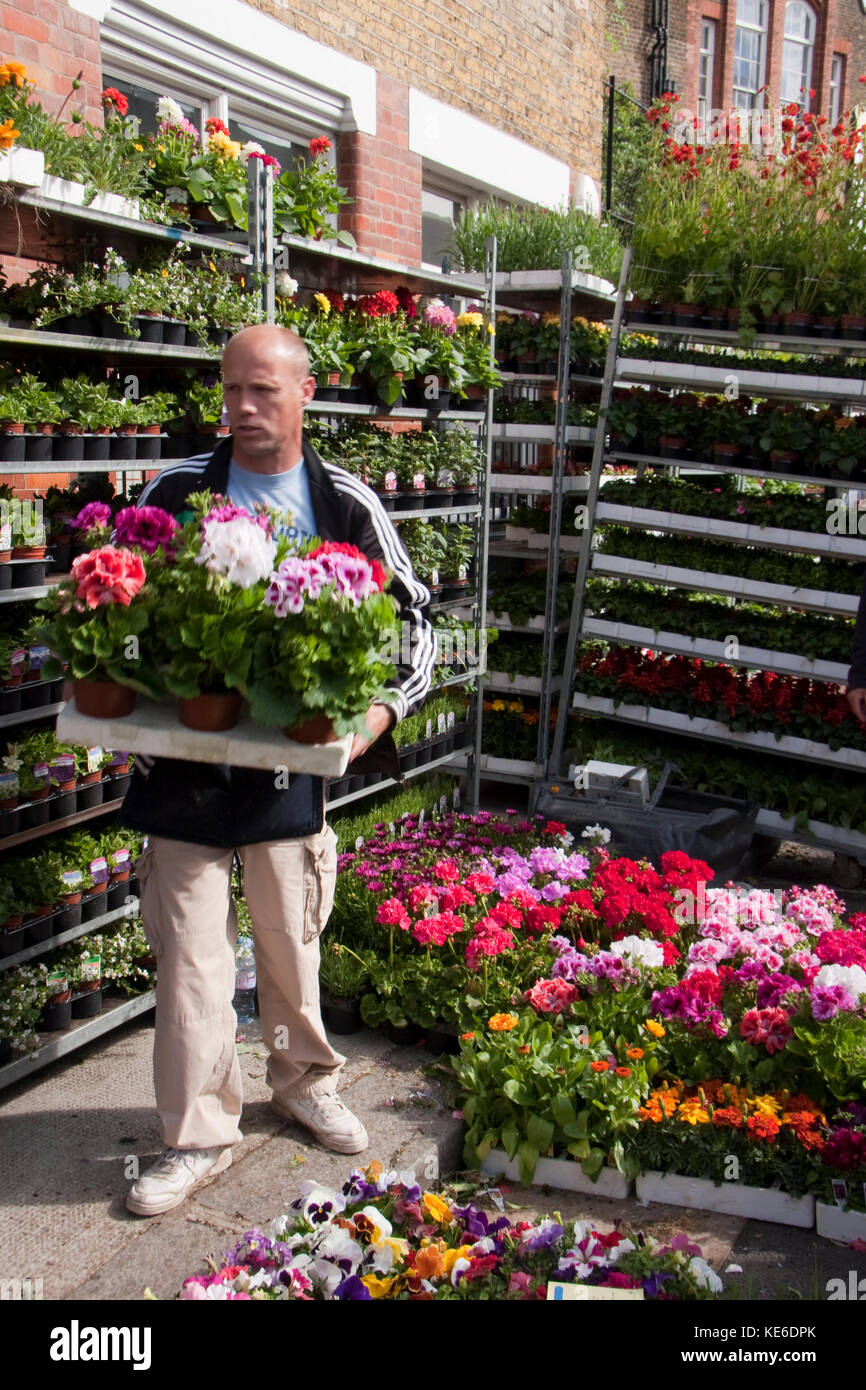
706 68
805 49
753 101
837 86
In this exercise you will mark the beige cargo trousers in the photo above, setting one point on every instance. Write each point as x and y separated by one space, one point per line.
190 923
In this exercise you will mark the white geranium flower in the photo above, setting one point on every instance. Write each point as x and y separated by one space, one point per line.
599 834
704 1275
250 148
167 109
636 949
238 550
285 285
850 977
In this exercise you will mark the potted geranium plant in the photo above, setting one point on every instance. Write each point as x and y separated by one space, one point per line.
319 690
387 345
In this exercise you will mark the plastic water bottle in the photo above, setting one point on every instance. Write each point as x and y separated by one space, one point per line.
245 984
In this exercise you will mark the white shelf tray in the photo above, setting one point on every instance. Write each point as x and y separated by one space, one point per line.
154 729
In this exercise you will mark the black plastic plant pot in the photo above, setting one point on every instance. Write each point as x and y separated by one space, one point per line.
5 1051
94 905
148 446
408 756
116 895
338 788
404 1037
59 557
10 823
12 448
110 328
351 395
117 786
150 329
10 699
86 1003
11 942
218 337
389 500
356 784
342 1016
97 446
442 1038
122 446
35 813
37 447
67 917
85 325
64 804
425 753
5 576
35 694
67 448
173 332
91 794
193 338
27 573
327 394
56 1018
370 779
411 501
40 929
179 446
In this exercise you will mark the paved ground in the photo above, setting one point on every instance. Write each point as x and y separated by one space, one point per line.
70 1137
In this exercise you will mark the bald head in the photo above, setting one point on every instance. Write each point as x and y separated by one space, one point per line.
266 386
267 341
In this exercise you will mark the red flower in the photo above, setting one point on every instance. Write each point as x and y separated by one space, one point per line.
318 145
343 548
108 575
113 99
213 125
763 1127
552 996
392 913
767 1026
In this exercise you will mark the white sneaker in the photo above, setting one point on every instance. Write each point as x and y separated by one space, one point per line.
176 1174
329 1120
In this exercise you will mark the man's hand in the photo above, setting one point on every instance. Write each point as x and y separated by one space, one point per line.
857 700
378 719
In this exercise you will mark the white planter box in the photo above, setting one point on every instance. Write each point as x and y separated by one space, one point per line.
512 767
732 1198
536 482
155 729
564 1173
501 680
113 205
62 190
836 1224
794 384
737 586
22 166
519 535
833 837
755 658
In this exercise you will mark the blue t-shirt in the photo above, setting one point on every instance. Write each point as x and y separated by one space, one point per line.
287 492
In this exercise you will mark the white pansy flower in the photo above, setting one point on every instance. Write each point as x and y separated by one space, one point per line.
704 1275
167 109
285 285
635 948
239 551
850 977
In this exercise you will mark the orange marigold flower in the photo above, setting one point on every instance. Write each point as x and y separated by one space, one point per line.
599 1066
623 1071
524 1048
654 1029
763 1127
503 1023
634 1053
728 1117
466 1037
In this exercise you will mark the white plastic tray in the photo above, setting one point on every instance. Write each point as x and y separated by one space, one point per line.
155 729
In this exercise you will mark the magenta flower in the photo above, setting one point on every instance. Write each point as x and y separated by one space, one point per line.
146 528
294 581
94 514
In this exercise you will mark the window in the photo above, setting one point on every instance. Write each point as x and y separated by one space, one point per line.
142 103
438 215
797 50
837 86
750 53
705 75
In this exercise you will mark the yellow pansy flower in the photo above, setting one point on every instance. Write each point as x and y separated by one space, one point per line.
436 1208
450 1257
378 1287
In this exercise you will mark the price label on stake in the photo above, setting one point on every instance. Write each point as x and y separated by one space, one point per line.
41 771
456 799
56 982
583 1293
359 843
38 657
428 732
99 870
91 968
443 803
94 759
72 880
441 724
390 481
450 721
421 820
119 858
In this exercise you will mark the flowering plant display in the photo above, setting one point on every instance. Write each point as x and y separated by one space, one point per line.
318 646
308 197
383 1236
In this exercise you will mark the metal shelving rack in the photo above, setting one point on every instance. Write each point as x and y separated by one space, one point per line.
849 846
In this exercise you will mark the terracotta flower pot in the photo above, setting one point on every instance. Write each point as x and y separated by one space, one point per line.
28 552
319 729
211 713
104 699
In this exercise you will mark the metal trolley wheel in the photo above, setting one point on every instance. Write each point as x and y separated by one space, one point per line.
847 871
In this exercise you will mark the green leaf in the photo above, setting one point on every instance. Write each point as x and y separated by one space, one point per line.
510 1138
519 1093
539 1131
527 1158
563 1110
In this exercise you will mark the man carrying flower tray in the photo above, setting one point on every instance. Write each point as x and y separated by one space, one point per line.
197 815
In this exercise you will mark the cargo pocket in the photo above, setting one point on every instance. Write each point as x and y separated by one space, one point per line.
320 876
148 894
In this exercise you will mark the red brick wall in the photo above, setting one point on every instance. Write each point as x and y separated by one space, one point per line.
384 178
55 43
